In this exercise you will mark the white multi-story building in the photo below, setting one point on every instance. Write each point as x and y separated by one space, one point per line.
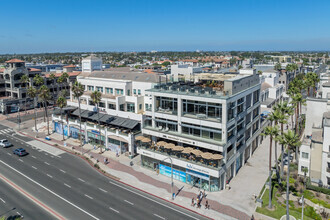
315 149
91 63
208 132
184 72
121 108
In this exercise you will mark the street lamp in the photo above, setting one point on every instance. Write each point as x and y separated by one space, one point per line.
302 207
172 184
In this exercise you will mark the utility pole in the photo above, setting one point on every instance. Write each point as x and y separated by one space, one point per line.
19 119
302 207
172 184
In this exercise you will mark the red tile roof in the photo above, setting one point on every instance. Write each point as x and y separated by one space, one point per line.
34 70
60 74
15 61
68 66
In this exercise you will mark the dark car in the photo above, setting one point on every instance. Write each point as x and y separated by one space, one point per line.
20 152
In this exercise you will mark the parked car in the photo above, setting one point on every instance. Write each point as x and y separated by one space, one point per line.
20 152
5 143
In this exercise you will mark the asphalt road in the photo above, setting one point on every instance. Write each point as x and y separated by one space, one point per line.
27 117
74 190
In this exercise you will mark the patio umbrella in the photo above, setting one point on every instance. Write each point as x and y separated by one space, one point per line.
145 140
197 152
169 146
187 150
139 138
217 157
161 143
207 155
178 148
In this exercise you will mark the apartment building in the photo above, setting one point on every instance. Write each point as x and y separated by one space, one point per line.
207 130
271 91
315 148
121 108
13 94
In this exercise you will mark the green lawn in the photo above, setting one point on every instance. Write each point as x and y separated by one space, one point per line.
280 210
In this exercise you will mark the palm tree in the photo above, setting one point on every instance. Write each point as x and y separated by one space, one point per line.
24 80
78 91
315 79
45 96
275 116
277 66
61 103
96 99
298 100
38 80
53 77
271 132
32 93
291 140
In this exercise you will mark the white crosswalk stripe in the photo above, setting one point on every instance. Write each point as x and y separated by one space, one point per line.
5 131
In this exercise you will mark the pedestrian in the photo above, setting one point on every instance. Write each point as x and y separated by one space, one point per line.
193 202
105 160
94 147
206 204
204 194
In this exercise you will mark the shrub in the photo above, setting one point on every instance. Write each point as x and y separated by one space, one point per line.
296 184
291 180
310 212
295 176
97 166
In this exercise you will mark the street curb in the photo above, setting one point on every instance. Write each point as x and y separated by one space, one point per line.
99 170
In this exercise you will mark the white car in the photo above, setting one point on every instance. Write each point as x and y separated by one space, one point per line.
5 143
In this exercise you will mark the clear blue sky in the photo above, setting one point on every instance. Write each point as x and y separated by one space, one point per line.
31 26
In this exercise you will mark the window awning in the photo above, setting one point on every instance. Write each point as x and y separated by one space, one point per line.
95 117
124 122
117 138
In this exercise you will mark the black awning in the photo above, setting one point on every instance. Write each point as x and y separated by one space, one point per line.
107 119
87 114
96 116
124 122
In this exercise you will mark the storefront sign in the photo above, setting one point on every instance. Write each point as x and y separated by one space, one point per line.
173 138
197 174
198 169
177 174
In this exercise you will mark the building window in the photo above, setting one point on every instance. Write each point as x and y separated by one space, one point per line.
128 92
140 106
100 89
304 155
112 106
134 91
90 88
130 107
119 91
122 107
108 90
111 90
139 92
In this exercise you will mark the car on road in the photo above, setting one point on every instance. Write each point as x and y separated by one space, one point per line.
20 152
5 143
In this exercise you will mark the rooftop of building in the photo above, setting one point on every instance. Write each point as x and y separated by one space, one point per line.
92 57
70 66
15 61
317 135
265 86
47 75
327 84
34 70
124 73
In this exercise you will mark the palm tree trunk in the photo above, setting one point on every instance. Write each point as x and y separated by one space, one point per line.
62 126
80 133
313 91
308 89
270 173
98 119
282 155
296 125
25 103
276 163
287 187
46 113
35 114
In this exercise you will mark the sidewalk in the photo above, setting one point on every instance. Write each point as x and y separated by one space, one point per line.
144 179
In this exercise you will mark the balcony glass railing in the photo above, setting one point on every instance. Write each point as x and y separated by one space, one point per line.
212 164
230 154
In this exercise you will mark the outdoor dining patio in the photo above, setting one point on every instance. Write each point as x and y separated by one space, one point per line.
194 155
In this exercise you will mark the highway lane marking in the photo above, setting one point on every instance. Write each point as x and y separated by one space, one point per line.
81 180
29 196
49 175
47 163
103 190
62 171
9 154
67 185
88 196
34 157
21 160
114 210
129 202
159 216
46 154
2 200
34 167
52 156
169 207
50 191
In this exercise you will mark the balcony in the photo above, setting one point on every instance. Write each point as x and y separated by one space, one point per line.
230 154
167 111
191 137
202 117
211 164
